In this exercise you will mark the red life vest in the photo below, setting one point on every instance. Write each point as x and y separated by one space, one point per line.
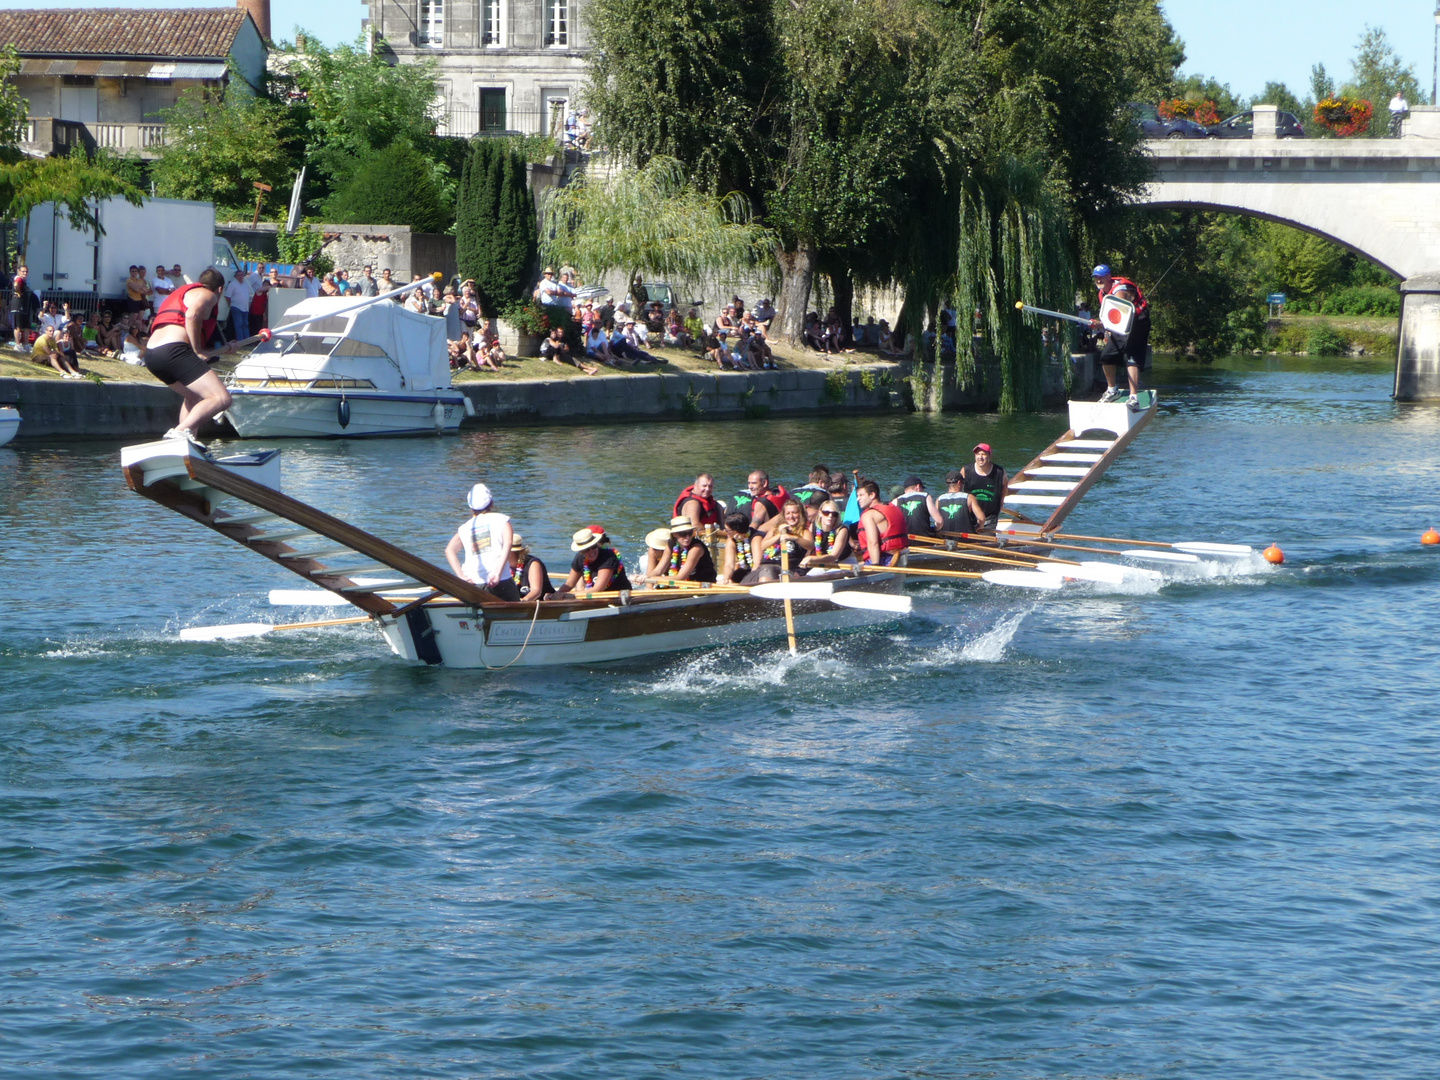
172 313
1141 304
709 508
893 536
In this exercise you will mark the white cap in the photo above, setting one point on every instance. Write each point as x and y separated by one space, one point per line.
479 498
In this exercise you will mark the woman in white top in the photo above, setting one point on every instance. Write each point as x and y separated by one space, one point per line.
484 541
597 344
417 303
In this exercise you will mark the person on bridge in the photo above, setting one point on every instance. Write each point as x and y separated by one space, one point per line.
1398 108
1132 348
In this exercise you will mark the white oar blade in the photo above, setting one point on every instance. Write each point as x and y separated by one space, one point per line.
1228 551
225 633
794 590
1108 573
306 598
1160 556
1023 579
870 601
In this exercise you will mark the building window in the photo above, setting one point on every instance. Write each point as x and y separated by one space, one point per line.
492 23
430 27
557 22
492 110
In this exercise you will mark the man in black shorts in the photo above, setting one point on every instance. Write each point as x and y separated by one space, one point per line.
22 301
178 349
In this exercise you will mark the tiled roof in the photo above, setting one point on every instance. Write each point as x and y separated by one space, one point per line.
122 32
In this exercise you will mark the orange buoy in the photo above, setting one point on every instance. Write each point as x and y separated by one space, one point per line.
1274 554
1430 537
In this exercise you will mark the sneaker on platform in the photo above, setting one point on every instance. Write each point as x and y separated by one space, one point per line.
1133 403
188 436
1109 395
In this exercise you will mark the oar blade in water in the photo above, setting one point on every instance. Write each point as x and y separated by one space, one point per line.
1226 551
225 633
1161 556
870 601
1023 579
794 590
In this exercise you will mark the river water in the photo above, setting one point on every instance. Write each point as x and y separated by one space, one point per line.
1190 832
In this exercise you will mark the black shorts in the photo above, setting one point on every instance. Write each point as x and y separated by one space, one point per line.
132 306
20 320
175 363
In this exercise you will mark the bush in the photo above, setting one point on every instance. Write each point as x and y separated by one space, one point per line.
1361 300
536 320
1324 340
495 232
394 186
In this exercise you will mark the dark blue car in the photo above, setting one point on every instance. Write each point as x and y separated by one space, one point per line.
1156 128
1242 126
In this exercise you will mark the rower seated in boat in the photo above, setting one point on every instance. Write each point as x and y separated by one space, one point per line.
832 540
984 484
689 558
954 505
812 494
756 501
882 527
484 540
698 503
787 533
596 567
918 506
657 557
738 560
527 578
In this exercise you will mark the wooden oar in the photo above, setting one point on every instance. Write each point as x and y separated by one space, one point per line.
785 577
1014 560
1023 539
1027 579
1193 547
246 630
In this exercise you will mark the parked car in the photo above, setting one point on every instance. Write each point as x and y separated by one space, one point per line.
1156 128
1242 126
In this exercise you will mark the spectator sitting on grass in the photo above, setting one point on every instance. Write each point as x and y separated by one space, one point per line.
716 352
50 319
91 333
462 355
109 334
655 318
764 313
814 334
134 333
597 344
555 348
677 336
626 343
491 355
725 323
51 348
759 345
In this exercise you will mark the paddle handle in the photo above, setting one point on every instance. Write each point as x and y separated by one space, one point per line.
1028 310
785 577
322 622
919 572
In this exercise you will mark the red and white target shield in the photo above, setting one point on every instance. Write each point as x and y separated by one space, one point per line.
1116 315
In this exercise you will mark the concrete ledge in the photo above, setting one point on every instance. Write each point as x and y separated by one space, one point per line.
80 409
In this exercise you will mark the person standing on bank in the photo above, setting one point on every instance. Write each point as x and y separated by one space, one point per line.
1130 349
984 485
485 541
178 348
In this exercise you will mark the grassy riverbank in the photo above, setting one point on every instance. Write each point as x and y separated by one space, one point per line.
676 362
1361 335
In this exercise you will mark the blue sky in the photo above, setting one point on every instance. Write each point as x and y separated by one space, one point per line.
1236 41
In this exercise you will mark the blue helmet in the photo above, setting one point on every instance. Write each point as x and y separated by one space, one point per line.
1101 271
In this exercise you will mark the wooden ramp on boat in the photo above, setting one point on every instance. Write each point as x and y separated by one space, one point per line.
1041 495
320 548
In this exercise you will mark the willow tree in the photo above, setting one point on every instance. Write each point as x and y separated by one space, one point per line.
651 220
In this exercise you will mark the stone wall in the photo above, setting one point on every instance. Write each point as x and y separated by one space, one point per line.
406 253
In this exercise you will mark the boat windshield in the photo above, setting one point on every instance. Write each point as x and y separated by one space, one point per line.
308 344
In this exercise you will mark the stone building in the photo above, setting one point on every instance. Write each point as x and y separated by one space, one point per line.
503 65
102 76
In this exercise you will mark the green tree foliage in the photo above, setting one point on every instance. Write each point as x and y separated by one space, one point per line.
1376 74
13 107
352 101
1205 88
495 241
651 220
70 182
393 186
218 149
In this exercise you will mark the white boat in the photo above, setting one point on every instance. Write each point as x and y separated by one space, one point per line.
354 371
9 423
429 616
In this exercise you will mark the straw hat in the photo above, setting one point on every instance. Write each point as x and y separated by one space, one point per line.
681 523
659 539
517 543
585 539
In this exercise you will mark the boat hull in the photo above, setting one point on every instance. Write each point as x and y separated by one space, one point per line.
316 414
458 636
9 423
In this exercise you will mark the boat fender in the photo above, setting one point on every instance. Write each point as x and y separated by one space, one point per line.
439 413
624 597
342 412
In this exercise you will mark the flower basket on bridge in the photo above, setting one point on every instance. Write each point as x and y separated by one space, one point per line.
1345 116
1202 112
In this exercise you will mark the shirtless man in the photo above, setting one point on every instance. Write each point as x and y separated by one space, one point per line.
178 348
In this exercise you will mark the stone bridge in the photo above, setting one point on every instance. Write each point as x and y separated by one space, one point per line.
1377 197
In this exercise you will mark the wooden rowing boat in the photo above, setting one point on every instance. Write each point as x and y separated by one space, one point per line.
456 623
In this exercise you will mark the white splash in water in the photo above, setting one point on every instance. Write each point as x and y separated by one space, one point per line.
742 669
989 647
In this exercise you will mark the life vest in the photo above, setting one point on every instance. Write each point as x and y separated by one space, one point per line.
709 506
172 313
744 501
1142 306
892 536
810 493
